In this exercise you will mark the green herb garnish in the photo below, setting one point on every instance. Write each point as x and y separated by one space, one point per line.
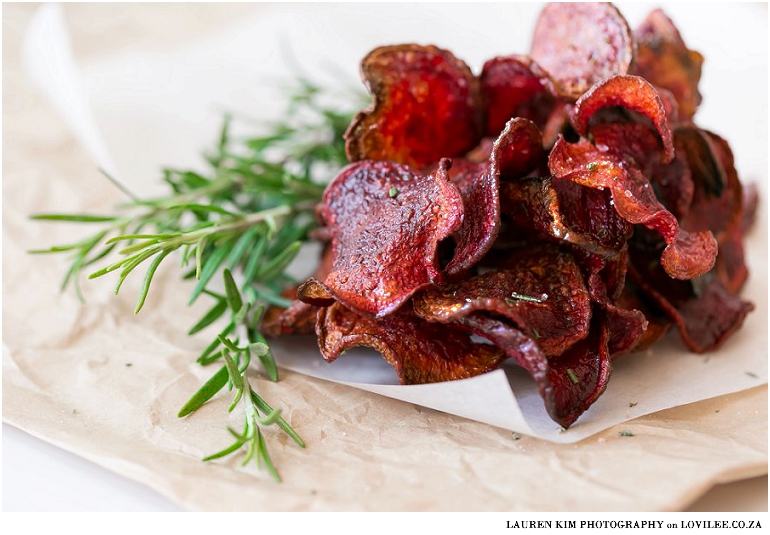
572 377
519 297
243 221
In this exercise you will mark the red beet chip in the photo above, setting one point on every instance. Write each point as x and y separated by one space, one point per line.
750 206
657 322
633 142
718 202
670 105
717 197
589 213
314 292
663 58
518 150
515 86
569 383
479 185
386 221
580 44
673 184
637 144
628 92
535 204
605 281
557 123
540 289
686 255
707 321
626 327
426 107
421 352
703 310
731 266
298 318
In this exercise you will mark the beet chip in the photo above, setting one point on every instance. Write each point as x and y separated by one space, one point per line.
515 86
313 292
750 206
479 186
731 265
535 204
589 213
629 92
569 383
580 44
518 149
663 59
605 284
421 352
705 313
657 322
718 202
298 318
426 107
717 197
540 289
385 222
687 255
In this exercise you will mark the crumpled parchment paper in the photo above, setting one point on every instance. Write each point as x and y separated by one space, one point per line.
102 383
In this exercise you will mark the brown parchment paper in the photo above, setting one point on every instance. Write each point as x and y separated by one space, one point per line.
98 381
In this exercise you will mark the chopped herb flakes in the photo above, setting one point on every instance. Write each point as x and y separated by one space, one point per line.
572 376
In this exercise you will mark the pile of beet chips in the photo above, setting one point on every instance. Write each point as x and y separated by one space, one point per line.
562 207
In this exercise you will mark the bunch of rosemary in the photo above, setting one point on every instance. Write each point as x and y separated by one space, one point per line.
249 215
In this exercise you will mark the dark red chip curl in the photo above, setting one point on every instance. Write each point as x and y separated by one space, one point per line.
703 310
515 86
687 254
568 384
629 92
421 352
540 289
386 221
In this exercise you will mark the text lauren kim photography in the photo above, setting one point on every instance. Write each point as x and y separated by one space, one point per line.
634 524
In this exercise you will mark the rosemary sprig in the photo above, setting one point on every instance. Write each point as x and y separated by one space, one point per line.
249 214
234 373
